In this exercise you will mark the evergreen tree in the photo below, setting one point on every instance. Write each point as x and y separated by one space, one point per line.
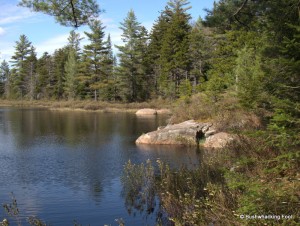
44 75
158 31
84 76
70 85
283 87
67 12
74 42
132 59
94 56
71 66
109 81
108 61
23 50
249 76
56 82
30 69
201 48
174 53
4 79
256 50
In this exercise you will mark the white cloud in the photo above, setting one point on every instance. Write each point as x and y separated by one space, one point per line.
2 31
11 13
108 22
6 52
52 44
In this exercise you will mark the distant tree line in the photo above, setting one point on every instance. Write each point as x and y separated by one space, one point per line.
247 47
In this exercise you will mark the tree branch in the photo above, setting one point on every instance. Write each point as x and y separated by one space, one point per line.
235 15
74 14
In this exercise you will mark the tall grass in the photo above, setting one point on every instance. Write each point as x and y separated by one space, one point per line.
248 178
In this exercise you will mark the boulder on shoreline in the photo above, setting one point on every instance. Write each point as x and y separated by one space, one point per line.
150 111
187 133
146 111
163 111
218 140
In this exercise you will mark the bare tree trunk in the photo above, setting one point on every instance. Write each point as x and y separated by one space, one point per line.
95 95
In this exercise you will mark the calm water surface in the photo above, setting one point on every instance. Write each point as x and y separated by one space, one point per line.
64 166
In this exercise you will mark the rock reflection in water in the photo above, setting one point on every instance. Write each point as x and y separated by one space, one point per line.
174 155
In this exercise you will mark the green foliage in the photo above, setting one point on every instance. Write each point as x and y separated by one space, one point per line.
216 191
248 46
138 187
185 88
67 13
249 77
4 79
186 195
74 42
131 70
215 87
23 50
110 81
244 61
94 59
70 85
30 66
200 50
174 53
51 74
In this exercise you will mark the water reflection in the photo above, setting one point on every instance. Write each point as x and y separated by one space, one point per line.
63 166
174 155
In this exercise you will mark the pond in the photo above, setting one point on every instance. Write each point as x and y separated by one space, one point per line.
66 165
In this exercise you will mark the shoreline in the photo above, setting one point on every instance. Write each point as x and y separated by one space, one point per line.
81 105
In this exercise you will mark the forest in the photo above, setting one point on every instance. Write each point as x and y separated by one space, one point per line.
250 48
242 59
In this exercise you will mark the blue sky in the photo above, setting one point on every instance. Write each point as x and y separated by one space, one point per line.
47 35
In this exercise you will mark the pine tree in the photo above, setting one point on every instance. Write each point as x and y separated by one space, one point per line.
84 76
30 69
74 42
56 82
156 37
94 56
200 50
67 12
249 77
4 79
132 59
23 50
174 54
71 65
70 85
109 82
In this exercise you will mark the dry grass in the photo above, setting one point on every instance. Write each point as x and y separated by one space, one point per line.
226 114
87 105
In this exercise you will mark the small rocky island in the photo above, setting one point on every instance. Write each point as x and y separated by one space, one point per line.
187 133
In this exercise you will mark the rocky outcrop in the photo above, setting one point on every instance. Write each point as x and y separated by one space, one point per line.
150 111
146 111
163 111
187 133
218 140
